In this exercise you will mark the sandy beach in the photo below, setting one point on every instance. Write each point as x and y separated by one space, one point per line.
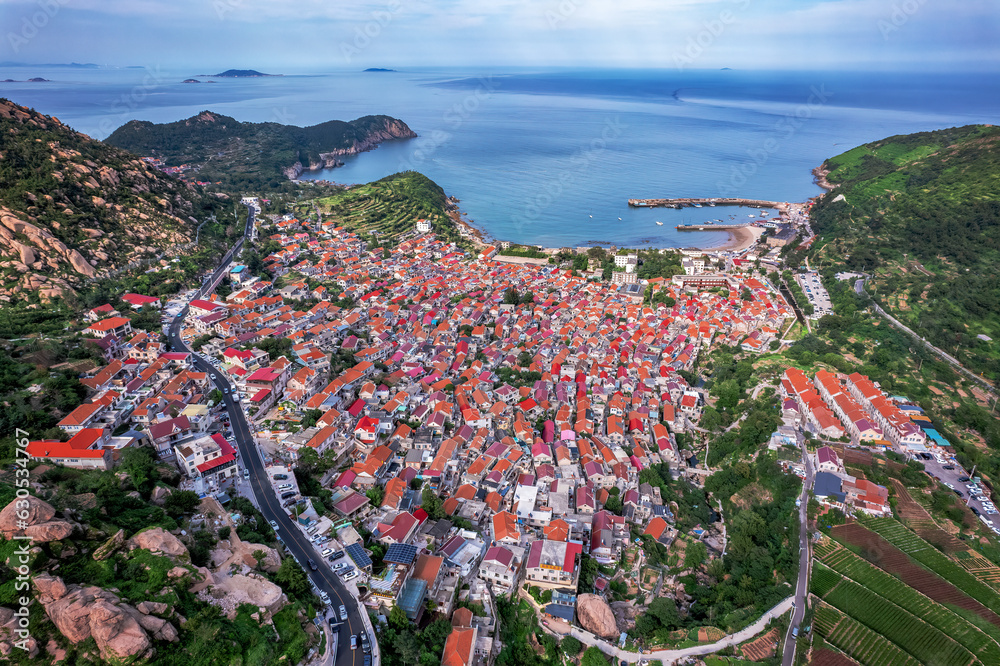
740 239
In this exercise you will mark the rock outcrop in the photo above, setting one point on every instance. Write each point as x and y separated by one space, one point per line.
228 592
595 615
161 542
39 523
53 242
122 632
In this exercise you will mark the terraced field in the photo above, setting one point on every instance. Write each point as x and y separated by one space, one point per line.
858 640
890 546
830 658
388 208
894 623
984 642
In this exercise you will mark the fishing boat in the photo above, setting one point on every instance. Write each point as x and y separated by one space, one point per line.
659 224
697 205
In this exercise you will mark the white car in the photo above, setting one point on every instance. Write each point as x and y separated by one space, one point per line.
351 575
273 524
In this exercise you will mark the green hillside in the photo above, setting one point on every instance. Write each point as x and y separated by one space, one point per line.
388 207
923 211
252 156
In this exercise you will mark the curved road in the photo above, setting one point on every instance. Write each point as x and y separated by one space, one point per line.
291 536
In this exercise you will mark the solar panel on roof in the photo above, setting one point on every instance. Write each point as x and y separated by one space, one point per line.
358 554
400 553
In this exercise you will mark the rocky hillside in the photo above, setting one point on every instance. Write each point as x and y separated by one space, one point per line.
72 209
253 156
127 572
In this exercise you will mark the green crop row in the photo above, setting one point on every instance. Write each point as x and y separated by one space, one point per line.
896 624
857 640
919 550
976 640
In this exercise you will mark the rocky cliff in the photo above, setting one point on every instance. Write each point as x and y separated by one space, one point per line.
72 209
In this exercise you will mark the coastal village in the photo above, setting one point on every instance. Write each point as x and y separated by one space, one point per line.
524 398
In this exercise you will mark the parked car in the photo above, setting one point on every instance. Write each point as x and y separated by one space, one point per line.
354 642
343 613
336 556
280 477
273 524
352 574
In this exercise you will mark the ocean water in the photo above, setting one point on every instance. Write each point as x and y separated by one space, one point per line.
551 157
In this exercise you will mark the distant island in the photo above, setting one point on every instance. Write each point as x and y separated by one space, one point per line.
74 65
190 81
253 156
37 79
240 74
379 69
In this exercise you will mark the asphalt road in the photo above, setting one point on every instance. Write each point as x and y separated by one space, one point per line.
802 585
291 536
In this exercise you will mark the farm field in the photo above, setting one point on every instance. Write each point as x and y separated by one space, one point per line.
895 624
983 641
952 585
854 638
830 658
389 207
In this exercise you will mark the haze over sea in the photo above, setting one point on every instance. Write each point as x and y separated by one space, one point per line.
551 157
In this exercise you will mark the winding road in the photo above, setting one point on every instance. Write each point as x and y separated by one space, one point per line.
859 289
294 540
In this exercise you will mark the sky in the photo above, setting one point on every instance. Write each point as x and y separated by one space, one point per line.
324 35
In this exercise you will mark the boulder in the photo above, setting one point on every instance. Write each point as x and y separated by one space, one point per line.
595 615
50 588
119 636
177 572
153 608
110 546
38 510
159 494
205 579
158 540
53 530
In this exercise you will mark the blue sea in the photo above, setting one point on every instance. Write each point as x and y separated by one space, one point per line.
551 157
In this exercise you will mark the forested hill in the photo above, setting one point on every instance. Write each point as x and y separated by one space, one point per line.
253 156
923 211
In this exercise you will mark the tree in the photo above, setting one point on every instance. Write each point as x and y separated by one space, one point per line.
432 504
695 555
614 505
376 494
571 646
664 609
593 657
292 579
138 464
180 502
398 619
259 555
